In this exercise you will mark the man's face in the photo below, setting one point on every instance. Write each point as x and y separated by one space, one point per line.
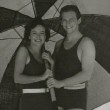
69 21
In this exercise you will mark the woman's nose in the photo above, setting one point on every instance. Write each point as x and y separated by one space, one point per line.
38 36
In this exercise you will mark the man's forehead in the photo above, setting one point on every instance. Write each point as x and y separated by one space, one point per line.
69 14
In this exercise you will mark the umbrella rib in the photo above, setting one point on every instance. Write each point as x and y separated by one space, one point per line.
9 38
35 13
57 9
18 33
24 6
53 34
51 40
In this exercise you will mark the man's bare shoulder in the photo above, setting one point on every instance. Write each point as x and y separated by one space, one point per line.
86 41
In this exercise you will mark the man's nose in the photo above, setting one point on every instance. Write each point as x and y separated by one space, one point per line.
68 23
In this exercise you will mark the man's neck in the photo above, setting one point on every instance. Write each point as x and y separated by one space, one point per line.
73 36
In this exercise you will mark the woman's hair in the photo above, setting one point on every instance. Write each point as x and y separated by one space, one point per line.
73 8
31 25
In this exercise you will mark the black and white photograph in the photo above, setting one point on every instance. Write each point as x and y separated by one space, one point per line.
54 54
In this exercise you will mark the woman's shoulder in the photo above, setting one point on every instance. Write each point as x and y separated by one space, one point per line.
22 51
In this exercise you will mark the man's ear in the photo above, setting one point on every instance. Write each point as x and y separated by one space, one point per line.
61 23
29 37
79 20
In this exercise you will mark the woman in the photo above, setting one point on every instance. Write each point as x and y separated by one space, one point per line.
30 71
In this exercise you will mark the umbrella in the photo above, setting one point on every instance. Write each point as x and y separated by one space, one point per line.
16 13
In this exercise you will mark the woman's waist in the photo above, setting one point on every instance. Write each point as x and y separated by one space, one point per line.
36 90
41 84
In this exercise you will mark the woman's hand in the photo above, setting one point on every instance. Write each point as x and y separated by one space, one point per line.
51 82
48 73
47 56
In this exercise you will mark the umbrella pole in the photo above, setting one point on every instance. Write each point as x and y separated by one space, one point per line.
52 92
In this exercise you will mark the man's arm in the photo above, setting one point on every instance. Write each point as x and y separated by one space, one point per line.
86 54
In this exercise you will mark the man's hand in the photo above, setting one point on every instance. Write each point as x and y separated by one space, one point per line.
51 82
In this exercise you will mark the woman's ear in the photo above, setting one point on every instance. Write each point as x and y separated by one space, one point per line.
79 20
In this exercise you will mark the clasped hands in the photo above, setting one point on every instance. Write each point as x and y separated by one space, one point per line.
51 81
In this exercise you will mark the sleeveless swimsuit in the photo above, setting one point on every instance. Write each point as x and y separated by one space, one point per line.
67 65
35 101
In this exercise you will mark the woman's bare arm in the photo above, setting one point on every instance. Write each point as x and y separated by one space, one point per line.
20 62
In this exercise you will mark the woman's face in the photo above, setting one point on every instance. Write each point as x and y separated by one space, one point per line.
37 35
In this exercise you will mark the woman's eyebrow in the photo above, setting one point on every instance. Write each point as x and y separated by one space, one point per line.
42 31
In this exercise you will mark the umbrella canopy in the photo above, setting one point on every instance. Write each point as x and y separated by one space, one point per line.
14 14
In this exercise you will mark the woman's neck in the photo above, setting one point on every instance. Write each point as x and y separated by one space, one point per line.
35 49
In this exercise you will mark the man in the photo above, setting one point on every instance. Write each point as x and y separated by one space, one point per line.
74 58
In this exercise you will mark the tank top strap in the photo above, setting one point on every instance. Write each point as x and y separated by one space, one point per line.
79 40
76 43
30 54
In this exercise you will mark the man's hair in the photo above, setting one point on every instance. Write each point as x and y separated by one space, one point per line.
70 8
